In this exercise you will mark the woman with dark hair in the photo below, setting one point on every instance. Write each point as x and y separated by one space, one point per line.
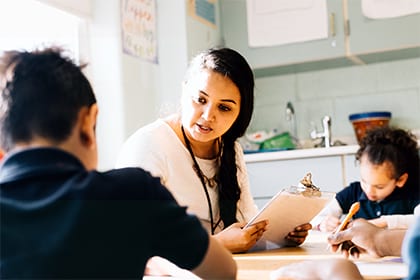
196 153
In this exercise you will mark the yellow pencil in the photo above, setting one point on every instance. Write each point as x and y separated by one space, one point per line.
353 210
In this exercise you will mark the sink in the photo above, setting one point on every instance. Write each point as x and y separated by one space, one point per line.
267 150
336 143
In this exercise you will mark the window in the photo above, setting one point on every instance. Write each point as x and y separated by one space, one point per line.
29 24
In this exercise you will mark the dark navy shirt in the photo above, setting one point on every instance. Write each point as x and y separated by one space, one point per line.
59 220
400 201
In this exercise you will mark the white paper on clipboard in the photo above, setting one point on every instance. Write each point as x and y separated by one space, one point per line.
285 211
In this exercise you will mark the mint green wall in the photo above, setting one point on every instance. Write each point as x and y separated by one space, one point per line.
389 86
132 92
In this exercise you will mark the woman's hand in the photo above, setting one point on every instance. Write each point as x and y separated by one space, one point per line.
299 234
379 222
238 239
158 266
358 238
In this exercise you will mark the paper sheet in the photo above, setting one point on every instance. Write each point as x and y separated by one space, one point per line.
378 9
383 269
285 211
277 22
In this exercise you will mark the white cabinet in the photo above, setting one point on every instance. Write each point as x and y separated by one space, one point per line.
329 173
351 170
353 39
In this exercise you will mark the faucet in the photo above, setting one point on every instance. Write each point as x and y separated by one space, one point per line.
291 119
324 135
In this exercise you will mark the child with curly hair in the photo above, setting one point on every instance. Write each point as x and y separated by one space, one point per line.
389 188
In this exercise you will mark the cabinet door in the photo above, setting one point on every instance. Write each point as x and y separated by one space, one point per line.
397 37
234 29
351 169
269 177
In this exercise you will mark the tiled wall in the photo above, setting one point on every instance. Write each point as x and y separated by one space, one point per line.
387 86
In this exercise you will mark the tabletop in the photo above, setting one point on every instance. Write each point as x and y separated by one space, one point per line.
259 265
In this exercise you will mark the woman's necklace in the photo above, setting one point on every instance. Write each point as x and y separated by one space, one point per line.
202 178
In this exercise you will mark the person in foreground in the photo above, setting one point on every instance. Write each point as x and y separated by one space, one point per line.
196 153
361 237
389 189
60 218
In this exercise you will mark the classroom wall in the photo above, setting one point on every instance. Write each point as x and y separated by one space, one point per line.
389 86
132 92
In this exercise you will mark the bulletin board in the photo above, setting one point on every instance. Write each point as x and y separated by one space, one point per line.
139 31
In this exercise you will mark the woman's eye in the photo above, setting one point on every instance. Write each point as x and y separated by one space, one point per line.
224 108
200 100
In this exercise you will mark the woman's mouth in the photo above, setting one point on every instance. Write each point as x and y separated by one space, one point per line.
203 128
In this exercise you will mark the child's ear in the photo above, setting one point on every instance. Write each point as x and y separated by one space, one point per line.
87 132
401 181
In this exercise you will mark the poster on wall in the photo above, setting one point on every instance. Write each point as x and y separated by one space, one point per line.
204 11
139 33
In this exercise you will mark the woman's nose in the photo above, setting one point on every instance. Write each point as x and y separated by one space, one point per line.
208 113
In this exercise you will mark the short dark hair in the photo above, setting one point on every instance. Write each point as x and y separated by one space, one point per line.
41 95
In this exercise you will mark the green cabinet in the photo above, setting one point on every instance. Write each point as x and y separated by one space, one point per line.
373 40
281 59
352 39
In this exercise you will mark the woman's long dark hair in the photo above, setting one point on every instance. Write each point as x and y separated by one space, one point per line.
233 65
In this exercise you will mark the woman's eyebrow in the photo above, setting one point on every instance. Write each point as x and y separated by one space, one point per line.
223 100
229 100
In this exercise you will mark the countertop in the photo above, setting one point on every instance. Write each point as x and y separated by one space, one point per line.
302 153
306 153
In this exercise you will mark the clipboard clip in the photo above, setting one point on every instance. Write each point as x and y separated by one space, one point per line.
307 182
305 187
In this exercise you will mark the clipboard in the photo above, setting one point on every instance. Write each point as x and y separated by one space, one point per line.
285 211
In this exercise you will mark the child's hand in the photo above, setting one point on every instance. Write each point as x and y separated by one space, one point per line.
329 224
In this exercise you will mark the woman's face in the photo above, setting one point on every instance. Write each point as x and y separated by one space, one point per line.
210 105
